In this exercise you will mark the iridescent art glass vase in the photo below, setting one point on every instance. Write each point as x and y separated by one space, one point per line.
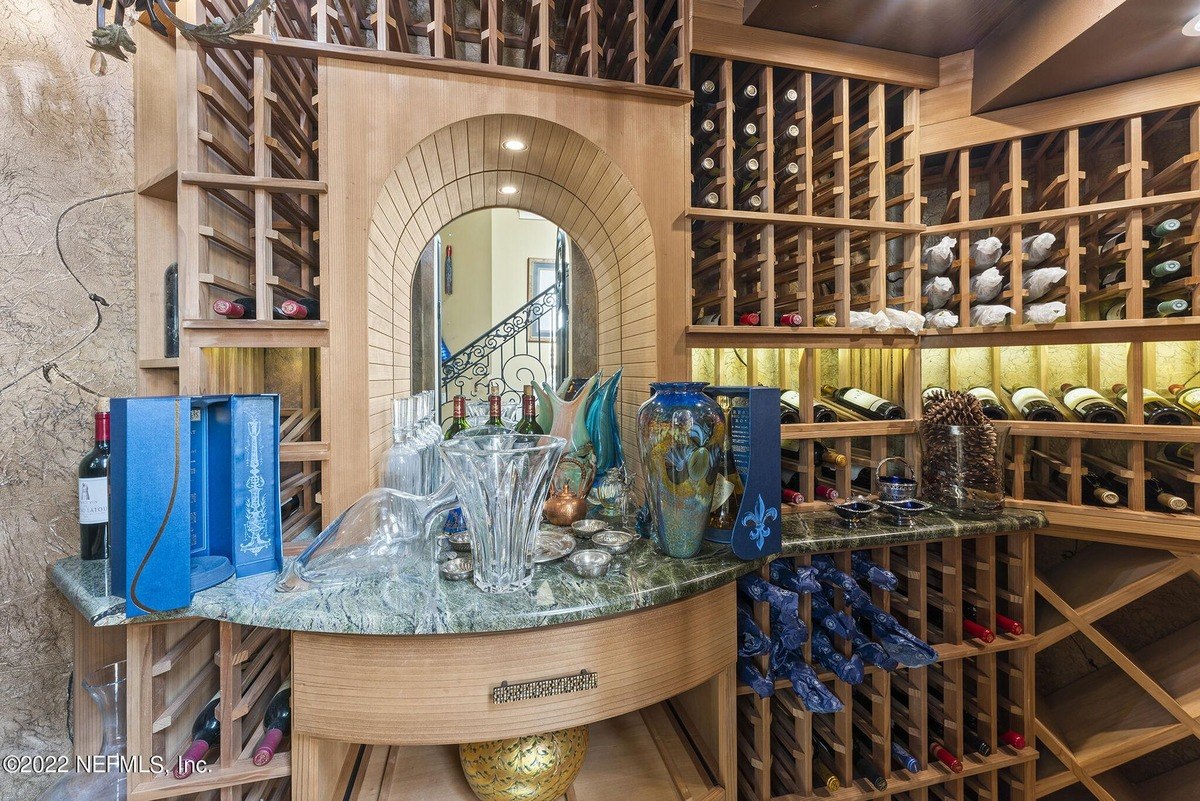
502 481
681 432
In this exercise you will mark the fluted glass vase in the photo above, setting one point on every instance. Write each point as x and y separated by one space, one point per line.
106 781
502 481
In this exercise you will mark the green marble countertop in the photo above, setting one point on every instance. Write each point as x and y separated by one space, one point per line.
640 579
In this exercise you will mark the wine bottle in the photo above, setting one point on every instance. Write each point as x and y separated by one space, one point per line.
792 496
792 319
171 311
236 309
709 168
708 94
1005 624
727 496
1172 307
788 134
458 423
761 683
277 724
747 97
990 403
1156 409
494 416
824 414
1089 405
206 734
1181 453
1163 271
1033 404
824 760
302 309
787 172
865 767
860 477
707 127
943 754
1156 491
1187 398
825 492
749 318
972 739
754 202
93 491
747 135
529 423
902 756
747 170
751 640
971 628
863 402
1013 739
791 96
823 454
1154 235
825 320
712 199
1094 492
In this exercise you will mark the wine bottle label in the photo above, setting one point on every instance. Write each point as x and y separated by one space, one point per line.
860 397
722 492
983 393
1079 398
93 500
1190 398
1026 395
1115 311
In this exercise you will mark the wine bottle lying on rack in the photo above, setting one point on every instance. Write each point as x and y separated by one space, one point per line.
1180 453
206 734
784 606
788 172
937 750
823 454
708 94
971 628
1089 405
302 309
809 688
1094 493
1186 398
865 767
240 309
1006 624
990 403
1033 404
277 724
1153 235
1156 272
868 405
1173 307
1156 410
1157 493
823 762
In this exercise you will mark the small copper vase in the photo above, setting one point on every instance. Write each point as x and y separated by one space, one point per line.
564 507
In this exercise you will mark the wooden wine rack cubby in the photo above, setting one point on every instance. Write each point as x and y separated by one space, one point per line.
993 682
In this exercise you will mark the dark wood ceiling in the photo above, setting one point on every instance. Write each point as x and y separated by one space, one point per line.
924 27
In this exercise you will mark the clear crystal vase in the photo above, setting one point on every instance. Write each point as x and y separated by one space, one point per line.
502 481
105 782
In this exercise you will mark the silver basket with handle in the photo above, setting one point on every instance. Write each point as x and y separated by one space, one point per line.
896 487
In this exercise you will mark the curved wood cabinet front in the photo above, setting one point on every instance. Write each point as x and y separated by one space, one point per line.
437 689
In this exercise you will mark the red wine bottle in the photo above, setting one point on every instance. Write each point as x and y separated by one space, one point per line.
826 492
749 318
1005 624
792 319
943 754
93 491
971 628
277 723
863 402
302 309
1013 739
236 309
206 734
792 496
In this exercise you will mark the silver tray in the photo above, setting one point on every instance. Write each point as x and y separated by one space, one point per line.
552 545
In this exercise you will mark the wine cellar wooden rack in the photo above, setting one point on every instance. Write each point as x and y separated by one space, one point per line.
992 683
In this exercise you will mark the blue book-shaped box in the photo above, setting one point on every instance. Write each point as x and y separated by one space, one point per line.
242 516
150 532
754 433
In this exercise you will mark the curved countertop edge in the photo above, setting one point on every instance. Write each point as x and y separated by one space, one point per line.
426 605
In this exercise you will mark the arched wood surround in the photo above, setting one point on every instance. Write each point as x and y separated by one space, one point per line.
598 164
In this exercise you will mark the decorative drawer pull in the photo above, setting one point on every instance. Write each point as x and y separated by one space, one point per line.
542 688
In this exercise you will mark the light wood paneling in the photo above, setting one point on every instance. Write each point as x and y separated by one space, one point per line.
611 169
387 689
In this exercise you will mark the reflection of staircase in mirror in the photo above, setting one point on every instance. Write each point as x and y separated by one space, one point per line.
528 346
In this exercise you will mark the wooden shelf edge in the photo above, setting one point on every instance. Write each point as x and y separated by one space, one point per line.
243 771
745 336
1123 527
303 451
213 180
159 364
256 333
1111 431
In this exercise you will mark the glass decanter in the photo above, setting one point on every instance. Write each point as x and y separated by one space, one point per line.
106 781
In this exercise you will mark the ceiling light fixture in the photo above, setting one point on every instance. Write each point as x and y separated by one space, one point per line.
515 145
1192 28
508 189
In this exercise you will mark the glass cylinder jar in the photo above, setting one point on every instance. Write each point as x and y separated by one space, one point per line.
962 468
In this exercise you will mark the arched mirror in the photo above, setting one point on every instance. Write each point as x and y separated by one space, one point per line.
501 294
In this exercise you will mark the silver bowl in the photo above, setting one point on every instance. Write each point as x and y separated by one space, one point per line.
585 529
855 512
615 540
552 545
591 563
459 568
460 541
904 513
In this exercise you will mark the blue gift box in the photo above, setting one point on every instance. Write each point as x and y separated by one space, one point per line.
754 434
149 548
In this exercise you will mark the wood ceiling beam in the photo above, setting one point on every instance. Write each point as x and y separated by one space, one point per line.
1007 57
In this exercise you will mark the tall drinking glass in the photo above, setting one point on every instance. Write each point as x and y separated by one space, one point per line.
502 481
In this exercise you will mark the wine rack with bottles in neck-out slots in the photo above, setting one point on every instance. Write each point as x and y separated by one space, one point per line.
974 690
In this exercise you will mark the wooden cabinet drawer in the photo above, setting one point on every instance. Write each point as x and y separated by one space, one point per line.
435 689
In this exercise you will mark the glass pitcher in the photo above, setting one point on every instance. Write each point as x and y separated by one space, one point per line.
106 782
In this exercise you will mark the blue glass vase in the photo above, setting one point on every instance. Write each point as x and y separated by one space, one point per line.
681 432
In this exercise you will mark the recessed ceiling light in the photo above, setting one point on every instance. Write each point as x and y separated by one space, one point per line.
508 189
514 145
1192 28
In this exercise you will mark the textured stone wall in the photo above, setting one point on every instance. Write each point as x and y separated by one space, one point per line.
65 135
